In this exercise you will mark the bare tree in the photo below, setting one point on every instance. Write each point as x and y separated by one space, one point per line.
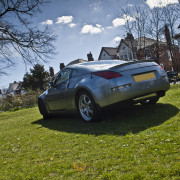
154 26
141 18
129 26
171 18
19 37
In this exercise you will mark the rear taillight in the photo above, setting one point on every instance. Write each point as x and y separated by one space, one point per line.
107 74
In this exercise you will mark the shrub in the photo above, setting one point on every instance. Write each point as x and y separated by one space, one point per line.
19 101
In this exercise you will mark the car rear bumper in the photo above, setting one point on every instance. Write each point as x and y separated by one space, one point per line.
134 91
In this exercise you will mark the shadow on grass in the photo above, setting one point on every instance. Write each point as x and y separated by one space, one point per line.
118 121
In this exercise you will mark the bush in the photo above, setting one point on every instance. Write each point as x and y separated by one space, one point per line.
12 103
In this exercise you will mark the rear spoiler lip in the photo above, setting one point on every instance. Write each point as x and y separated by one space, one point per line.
132 62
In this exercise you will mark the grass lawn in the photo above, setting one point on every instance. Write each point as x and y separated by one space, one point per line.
139 142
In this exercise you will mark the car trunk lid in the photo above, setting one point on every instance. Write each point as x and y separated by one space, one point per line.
133 65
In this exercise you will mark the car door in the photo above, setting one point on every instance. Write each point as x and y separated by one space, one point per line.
58 94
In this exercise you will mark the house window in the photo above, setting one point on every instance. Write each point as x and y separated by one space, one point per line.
130 55
121 57
125 57
147 53
169 56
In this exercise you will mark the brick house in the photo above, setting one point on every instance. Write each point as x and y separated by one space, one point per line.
177 37
165 59
143 48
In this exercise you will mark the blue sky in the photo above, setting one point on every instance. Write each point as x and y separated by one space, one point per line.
81 26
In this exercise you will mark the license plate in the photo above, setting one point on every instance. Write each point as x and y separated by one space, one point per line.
143 77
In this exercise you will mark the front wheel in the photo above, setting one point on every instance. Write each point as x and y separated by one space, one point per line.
87 107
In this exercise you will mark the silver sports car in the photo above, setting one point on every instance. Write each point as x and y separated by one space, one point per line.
89 87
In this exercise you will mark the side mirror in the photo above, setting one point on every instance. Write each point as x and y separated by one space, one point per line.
51 84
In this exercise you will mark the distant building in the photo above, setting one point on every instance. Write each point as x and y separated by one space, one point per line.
177 37
108 53
141 48
14 88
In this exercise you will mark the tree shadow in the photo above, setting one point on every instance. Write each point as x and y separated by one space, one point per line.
116 121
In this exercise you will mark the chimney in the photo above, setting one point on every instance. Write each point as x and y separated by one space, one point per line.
51 70
90 57
62 66
129 36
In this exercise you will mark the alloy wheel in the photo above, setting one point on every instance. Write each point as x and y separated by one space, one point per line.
86 107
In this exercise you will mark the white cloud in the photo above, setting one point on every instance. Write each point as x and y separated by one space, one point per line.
71 25
64 20
160 3
122 21
91 29
110 27
98 25
48 22
118 22
117 39
128 18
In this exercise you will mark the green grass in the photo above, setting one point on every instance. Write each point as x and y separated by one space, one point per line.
140 142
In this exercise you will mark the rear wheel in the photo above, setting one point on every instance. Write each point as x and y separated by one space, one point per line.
43 110
87 107
150 101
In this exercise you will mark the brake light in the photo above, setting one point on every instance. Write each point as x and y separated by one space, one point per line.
160 67
107 74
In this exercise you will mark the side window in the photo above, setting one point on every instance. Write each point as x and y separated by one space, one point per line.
75 73
62 76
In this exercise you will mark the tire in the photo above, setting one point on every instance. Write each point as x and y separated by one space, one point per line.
87 107
150 101
43 110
